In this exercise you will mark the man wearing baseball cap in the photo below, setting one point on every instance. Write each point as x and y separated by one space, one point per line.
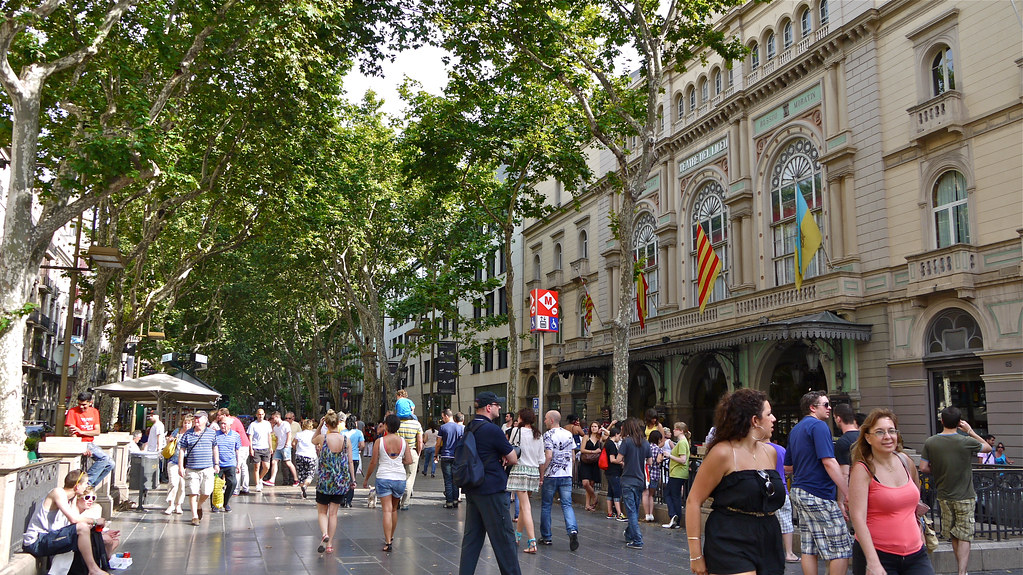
486 509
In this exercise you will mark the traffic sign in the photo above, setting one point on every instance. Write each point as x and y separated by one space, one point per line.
543 310
536 404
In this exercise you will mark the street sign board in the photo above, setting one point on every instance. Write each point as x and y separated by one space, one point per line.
543 310
446 366
536 405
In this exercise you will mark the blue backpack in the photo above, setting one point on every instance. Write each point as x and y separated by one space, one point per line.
467 471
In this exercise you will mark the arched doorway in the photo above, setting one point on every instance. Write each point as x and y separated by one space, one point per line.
532 390
710 387
951 344
791 378
642 391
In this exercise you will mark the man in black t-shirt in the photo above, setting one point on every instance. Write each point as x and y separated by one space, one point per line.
845 420
486 506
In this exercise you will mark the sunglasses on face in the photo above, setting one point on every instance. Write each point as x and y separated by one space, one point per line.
89 497
825 405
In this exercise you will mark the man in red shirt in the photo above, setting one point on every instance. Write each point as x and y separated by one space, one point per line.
83 421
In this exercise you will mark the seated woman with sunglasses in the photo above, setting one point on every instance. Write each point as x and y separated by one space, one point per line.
57 527
884 494
86 506
739 472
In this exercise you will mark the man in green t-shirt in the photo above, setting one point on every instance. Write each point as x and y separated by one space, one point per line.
947 457
678 475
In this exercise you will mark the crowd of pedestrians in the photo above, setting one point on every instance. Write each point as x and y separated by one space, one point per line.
862 483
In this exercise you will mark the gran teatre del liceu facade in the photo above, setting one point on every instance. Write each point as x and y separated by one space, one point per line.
901 122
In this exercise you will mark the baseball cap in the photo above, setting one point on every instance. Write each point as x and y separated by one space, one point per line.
486 398
201 413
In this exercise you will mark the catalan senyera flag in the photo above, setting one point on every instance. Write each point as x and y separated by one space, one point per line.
708 264
588 304
808 238
641 308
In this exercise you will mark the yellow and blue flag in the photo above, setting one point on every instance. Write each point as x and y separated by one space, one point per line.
808 238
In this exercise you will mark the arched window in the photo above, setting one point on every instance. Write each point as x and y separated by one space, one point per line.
717 82
796 171
536 267
584 329
557 256
554 392
754 53
951 344
942 72
805 23
710 213
584 248
680 103
824 12
645 251
953 331
770 46
692 99
951 211
787 34
704 91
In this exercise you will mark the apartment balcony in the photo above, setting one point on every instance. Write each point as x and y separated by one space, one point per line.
47 285
787 56
580 269
954 268
555 279
941 114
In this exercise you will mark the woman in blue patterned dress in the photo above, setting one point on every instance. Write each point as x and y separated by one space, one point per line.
336 476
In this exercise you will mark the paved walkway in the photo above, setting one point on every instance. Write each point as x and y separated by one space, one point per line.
276 532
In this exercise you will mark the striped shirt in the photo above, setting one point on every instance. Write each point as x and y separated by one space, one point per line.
408 430
199 448
228 445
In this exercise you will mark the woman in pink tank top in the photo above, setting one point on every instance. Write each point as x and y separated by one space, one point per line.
884 494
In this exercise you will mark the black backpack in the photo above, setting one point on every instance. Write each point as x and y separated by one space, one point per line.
467 471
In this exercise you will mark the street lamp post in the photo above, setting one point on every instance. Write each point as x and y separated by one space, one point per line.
103 257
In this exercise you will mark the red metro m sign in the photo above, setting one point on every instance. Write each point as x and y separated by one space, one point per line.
543 310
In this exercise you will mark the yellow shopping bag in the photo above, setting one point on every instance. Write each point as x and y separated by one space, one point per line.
218 491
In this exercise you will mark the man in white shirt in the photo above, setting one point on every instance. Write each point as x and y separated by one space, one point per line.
556 475
259 435
151 457
282 429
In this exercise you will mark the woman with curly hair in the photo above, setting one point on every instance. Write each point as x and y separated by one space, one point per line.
739 472
884 490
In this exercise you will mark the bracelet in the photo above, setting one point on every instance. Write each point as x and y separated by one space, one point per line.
697 558
693 538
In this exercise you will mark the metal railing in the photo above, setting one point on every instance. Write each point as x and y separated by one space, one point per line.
999 511
34 481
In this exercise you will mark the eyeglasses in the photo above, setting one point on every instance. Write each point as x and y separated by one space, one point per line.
825 405
89 497
768 485
880 433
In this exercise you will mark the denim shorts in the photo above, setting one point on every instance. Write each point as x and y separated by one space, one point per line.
392 487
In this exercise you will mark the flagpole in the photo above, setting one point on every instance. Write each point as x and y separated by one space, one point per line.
587 291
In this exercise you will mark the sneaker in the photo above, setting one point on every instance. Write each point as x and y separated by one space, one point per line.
545 542
573 541
649 518
227 508
295 484
244 491
671 524
448 505
621 517
259 488
215 510
634 545
611 516
267 483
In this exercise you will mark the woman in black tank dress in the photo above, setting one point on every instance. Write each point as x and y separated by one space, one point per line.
743 535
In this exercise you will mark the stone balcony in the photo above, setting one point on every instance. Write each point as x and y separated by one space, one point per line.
954 268
941 114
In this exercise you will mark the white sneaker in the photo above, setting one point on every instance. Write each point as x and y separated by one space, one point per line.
259 488
649 518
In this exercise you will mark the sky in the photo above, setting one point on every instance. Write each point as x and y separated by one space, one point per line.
423 65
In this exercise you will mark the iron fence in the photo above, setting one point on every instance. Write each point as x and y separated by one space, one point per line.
999 511
34 481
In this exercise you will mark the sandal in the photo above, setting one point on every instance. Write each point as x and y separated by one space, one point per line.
518 537
323 544
387 547
329 549
530 546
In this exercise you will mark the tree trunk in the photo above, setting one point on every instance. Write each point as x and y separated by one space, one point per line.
513 327
623 319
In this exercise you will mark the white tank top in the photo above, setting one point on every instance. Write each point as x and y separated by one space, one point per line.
388 467
43 521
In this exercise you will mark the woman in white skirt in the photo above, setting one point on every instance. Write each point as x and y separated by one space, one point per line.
525 475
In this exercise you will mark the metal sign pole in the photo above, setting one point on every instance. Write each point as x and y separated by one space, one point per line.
542 382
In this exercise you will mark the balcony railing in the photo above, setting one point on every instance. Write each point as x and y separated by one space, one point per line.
951 268
944 112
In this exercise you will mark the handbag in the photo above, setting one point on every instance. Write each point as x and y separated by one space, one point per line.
168 450
590 457
602 461
930 537
516 448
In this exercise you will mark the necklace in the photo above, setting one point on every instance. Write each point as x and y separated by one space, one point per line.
752 452
888 465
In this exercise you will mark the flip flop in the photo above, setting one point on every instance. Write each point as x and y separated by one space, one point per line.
323 544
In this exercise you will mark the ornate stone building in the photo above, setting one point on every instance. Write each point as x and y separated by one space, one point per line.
906 142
